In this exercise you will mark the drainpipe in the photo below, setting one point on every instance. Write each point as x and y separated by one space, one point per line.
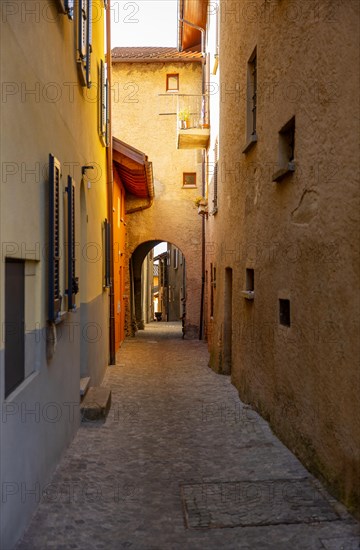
202 253
110 184
201 29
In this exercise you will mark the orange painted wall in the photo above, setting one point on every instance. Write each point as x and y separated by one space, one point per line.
119 259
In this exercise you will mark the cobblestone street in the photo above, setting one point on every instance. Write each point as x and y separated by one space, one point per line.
180 463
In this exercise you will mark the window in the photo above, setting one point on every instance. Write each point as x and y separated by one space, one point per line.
250 279
61 284
215 177
172 82
251 103
189 179
84 40
106 256
176 258
14 324
54 305
104 121
212 288
72 280
286 159
67 7
284 312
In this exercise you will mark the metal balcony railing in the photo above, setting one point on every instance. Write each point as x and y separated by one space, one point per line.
192 111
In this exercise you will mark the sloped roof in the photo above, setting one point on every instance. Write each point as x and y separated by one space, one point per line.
154 55
134 169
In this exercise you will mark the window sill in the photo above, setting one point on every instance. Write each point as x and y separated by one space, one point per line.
248 294
250 143
279 175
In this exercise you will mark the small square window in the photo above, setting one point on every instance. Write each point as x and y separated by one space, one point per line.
189 179
172 82
286 159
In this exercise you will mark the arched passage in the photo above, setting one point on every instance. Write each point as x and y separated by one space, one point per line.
169 285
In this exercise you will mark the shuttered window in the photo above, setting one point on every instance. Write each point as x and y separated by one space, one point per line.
85 40
54 306
104 104
67 7
107 255
72 280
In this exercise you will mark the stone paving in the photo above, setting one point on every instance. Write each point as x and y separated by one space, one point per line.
181 463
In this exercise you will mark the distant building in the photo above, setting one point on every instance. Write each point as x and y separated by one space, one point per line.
158 107
169 285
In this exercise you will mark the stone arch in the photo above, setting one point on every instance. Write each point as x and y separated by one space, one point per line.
137 251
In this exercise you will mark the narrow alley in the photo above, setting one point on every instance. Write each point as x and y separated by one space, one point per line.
181 463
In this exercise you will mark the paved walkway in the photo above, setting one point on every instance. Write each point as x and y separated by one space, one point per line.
181 463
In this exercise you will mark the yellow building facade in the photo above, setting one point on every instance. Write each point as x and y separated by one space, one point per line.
149 85
53 292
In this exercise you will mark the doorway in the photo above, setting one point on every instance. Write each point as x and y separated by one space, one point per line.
14 324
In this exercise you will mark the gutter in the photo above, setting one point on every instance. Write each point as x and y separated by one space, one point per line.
150 182
141 208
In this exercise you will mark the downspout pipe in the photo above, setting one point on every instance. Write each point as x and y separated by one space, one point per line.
201 29
110 186
202 255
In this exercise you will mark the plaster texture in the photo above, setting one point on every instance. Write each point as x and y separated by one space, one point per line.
300 236
144 116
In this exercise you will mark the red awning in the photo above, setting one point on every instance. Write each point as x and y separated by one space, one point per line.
134 169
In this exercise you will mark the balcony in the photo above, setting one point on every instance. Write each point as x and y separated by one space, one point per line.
193 131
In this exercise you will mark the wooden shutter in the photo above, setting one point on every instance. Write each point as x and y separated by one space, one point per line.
54 305
72 280
107 115
82 29
88 41
104 128
216 162
102 99
107 253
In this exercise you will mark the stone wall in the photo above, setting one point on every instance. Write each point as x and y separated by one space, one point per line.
299 235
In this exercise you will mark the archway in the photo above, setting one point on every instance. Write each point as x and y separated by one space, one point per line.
158 285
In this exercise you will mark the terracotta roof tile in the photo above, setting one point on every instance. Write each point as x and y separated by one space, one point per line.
153 54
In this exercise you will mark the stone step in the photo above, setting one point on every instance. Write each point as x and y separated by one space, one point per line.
84 384
96 403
